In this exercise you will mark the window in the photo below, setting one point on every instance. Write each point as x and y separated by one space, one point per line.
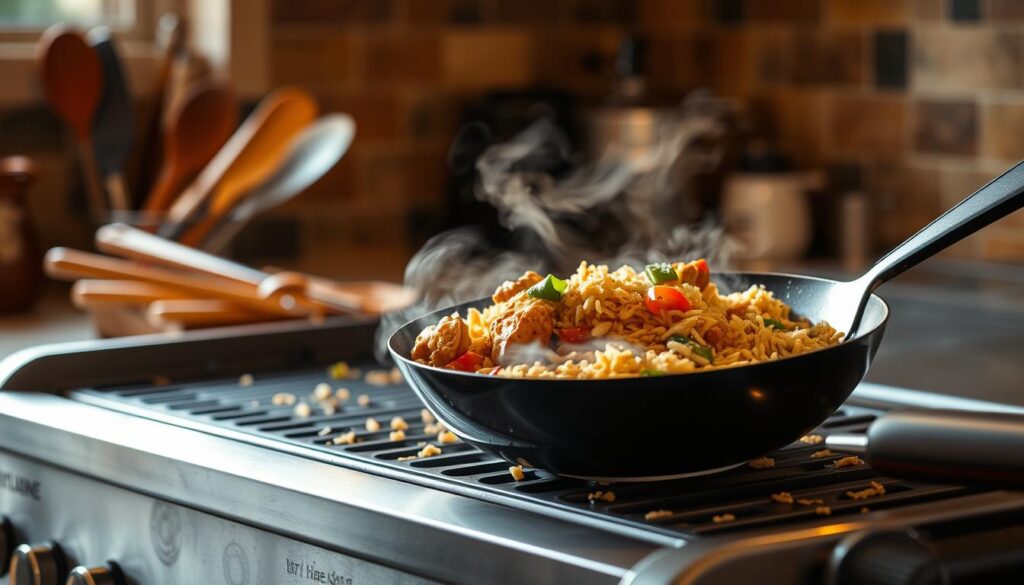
36 14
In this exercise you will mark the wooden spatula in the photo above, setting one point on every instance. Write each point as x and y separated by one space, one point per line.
201 313
114 124
72 80
251 153
196 128
171 39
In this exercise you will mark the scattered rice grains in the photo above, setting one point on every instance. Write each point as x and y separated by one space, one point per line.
246 380
363 400
850 461
429 451
812 439
761 463
324 431
517 472
322 391
719 519
426 417
342 394
657 515
823 511
398 424
822 453
783 497
447 437
283 399
348 438
303 410
600 496
377 377
398 435
810 502
372 425
875 489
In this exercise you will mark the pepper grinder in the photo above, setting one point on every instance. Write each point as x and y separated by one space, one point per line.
20 269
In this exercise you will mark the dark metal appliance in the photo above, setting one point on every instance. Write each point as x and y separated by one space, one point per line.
146 461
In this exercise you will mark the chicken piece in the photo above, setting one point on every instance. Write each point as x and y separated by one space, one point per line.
695 273
511 288
441 344
527 323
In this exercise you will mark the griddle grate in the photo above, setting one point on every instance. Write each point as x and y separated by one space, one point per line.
739 498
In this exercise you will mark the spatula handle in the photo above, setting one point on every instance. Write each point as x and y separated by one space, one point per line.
1000 197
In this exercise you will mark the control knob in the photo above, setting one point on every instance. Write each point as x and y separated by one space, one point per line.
37 564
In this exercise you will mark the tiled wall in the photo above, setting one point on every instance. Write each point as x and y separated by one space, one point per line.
916 102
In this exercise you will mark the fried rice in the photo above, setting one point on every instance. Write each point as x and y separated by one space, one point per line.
602 324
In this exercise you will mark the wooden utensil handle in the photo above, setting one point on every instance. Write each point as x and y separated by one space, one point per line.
199 313
91 177
91 293
129 242
117 192
72 264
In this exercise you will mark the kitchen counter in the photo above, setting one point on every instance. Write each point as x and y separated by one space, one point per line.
52 320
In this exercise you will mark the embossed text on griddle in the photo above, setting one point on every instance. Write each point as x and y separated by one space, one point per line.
311 572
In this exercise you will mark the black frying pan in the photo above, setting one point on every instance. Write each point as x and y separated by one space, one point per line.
668 426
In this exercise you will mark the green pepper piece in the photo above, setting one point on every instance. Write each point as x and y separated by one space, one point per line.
661 272
652 373
701 350
550 289
774 324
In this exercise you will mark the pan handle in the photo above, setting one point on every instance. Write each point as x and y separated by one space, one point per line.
944 446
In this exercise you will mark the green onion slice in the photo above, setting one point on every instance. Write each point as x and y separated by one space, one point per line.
701 350
774 324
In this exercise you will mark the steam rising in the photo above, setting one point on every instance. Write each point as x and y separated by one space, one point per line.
619 209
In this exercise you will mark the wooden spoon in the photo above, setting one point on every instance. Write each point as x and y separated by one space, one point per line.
72 80
314 152
195 130
114 124
249 156
171 39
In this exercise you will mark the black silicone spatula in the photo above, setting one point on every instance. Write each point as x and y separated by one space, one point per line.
114 124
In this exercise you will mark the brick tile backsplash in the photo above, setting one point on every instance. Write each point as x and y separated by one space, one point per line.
965 60
871 126
887 12
1002 129
946 127
487 60
915 102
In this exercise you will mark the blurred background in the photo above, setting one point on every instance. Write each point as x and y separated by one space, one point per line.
841 126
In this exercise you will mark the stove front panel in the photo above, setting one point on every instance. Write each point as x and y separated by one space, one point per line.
155 542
